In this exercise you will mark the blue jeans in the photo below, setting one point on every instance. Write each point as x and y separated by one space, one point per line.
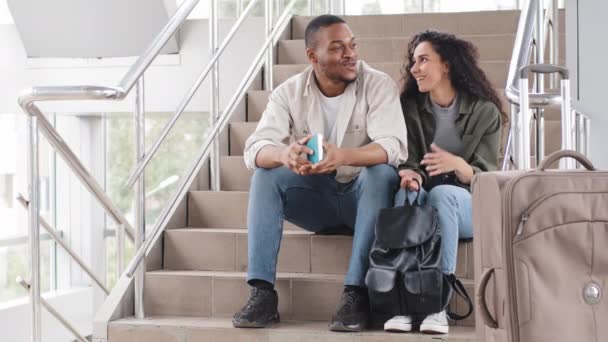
315 202
453 205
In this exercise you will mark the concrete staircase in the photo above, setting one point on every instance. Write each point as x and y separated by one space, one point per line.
202 280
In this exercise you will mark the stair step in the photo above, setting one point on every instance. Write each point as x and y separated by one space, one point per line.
302 296
495 70
395 25
239 132
256 104
234 176
392 49
197 329
221 209
301 252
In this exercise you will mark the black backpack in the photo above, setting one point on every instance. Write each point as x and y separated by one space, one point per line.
405 275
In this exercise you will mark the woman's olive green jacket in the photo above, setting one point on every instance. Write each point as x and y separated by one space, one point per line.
479 126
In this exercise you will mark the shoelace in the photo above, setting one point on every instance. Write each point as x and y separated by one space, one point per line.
253 295
349 301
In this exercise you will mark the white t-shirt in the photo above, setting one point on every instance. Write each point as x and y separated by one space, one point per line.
330 107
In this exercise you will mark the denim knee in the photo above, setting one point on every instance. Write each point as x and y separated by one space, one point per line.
379 176
269 178
442 197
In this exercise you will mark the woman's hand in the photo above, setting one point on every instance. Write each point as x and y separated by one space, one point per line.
409 178
440 161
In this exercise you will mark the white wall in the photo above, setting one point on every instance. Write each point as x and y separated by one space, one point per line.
74 304
586 53
165 84
75 28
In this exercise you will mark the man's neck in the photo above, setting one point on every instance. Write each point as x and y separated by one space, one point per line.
329 88
443 96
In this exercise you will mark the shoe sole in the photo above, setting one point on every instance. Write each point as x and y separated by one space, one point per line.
248 324
434 329
339 326
397 327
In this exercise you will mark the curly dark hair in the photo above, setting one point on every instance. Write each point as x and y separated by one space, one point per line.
462 59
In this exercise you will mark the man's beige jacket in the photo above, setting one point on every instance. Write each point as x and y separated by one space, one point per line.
370 111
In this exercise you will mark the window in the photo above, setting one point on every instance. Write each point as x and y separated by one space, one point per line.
14 249
162 175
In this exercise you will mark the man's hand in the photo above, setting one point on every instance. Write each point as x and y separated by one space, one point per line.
440 161
333 159
409 178
291 155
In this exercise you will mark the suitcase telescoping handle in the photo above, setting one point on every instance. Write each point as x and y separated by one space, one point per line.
481 299
520 122
557 155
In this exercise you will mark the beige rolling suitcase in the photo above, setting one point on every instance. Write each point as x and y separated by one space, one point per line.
541 254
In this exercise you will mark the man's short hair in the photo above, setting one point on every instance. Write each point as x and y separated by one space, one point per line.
316 24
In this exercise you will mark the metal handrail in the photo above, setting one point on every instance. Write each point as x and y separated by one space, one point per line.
37 122
55 235
54 312
74 93
30 96
521 57
218 127
524 42
188 97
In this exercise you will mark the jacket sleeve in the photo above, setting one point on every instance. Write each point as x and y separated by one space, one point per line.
274 128
414 141
485 156
385 123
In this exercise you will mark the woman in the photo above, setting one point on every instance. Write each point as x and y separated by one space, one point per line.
453 119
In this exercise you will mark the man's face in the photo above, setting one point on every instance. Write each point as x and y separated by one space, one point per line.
335 53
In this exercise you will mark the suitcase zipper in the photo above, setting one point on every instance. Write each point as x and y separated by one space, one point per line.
524 217
514 331
526 214
508 244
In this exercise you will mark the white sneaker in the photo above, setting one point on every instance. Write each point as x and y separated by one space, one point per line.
435 324
399 323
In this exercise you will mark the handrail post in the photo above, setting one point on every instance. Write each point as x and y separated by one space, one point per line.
214 104
520 124
554 52
120 250
269 54
568 130
539 85
140 196
580 132
34 236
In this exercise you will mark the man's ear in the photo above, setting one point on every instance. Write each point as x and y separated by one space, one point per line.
312 56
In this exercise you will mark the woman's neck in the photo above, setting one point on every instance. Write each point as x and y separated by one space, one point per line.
443 96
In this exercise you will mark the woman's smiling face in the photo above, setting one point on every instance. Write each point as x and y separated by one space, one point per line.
429 71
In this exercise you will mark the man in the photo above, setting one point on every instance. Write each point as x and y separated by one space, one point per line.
357 110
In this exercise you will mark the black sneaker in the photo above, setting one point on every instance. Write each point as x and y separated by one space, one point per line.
261 309
353 314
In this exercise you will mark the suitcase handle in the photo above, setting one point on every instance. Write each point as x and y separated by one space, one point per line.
481 299
555 156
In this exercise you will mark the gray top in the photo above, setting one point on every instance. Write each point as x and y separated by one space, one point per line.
446 134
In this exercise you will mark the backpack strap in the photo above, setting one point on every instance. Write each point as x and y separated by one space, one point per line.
462 292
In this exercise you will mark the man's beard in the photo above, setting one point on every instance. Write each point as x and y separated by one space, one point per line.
334 77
